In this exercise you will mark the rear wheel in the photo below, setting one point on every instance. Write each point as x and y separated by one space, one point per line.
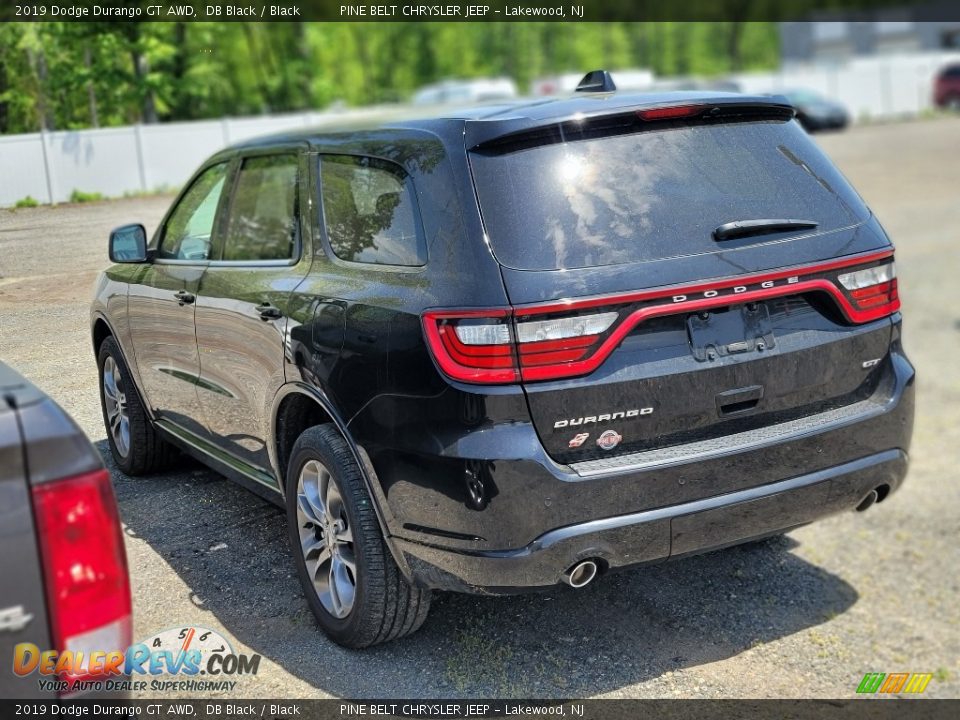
353 586
136 447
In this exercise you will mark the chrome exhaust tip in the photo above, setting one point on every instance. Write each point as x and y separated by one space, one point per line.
581 574
869 500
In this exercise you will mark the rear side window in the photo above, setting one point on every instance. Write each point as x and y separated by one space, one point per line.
262 224
655 193
370 212
187 234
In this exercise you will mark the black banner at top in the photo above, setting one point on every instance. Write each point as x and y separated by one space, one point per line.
475 10
478 709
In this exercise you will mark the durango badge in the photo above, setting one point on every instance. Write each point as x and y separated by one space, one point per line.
609 440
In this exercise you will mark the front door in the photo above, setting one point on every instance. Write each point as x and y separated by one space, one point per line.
242 306
161 303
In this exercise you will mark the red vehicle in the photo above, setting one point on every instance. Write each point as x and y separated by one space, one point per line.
946 88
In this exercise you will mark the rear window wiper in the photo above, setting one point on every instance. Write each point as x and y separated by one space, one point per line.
743 228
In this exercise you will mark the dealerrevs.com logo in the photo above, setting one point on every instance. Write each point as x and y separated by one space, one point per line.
180 659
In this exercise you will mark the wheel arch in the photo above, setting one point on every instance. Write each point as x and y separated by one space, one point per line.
298 406
100 330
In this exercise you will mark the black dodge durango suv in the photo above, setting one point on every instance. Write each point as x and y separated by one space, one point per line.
513 346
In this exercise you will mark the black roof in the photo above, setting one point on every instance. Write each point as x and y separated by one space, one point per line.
490 120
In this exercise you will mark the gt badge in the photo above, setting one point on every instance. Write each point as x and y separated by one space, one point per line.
609 440
578 440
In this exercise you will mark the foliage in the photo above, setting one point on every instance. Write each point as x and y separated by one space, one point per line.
27 202
58 75
79 196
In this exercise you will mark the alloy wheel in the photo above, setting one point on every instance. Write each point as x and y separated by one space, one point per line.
326 539
115 402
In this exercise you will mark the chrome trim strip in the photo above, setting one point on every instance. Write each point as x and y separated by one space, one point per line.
732 444
235 463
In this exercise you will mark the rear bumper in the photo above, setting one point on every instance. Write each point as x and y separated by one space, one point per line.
661 533
542 518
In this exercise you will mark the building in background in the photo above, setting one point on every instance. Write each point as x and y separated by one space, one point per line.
823 41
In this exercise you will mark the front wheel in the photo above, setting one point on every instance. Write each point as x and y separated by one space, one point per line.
352 584
136 446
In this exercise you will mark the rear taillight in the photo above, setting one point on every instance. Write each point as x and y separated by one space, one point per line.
483 347
873 288
474 346
549 341
85 566
553 342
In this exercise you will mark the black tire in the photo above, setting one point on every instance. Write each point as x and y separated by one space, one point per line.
147 452
385 606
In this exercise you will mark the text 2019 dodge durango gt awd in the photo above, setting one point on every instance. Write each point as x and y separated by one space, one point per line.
513 346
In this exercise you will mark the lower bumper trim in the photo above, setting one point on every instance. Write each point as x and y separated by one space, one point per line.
660 533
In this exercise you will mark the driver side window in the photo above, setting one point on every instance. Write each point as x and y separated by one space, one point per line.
187 234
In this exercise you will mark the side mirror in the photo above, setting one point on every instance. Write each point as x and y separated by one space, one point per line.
128 244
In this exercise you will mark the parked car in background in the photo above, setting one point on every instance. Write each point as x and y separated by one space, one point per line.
816 112
946 88
466 91
489 352
63 564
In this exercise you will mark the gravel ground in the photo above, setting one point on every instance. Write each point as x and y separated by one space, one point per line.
801 616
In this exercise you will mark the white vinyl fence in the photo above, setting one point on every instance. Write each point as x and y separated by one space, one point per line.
145 158
872 88
49 166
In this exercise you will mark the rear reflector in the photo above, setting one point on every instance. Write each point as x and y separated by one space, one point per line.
85 566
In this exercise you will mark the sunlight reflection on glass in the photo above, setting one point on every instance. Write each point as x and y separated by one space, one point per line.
570 168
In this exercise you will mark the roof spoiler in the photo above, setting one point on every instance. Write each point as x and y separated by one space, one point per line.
597 81
620 117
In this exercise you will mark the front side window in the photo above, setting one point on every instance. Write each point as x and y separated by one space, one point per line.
370 212
187 234
262 222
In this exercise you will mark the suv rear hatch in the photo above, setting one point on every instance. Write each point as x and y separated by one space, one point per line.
678 274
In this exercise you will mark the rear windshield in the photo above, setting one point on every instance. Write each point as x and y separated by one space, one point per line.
655 193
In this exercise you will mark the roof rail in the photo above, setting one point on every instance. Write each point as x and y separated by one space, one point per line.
597 81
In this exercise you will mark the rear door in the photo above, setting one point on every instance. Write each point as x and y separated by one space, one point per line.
241 308
641 324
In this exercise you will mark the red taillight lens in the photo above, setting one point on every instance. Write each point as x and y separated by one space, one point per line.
548 344
882 294
85 566
483 347
873 289
474 346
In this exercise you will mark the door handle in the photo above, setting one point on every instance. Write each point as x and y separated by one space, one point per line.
184 298
268 311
